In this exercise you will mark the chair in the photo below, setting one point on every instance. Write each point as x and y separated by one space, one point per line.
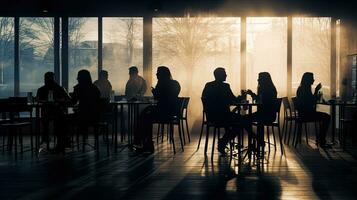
217 126
272 125
183 118
299 122
171 122
101 125
289 117
12 107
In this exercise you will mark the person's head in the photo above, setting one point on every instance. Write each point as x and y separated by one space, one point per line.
265 81
49 78
133 71
220 74
84 77
163 73
103 75
307 79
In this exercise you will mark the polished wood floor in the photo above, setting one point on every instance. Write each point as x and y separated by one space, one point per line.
303 173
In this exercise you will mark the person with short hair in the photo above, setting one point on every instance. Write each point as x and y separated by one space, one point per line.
103 85
136 85
54 111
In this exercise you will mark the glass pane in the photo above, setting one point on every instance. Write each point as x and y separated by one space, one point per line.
36 52
6 56
192 47
267 51
122 48
311 50
82 48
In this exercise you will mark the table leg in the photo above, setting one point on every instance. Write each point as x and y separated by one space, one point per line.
333 118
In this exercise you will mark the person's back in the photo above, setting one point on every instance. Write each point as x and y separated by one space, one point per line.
166 93
136 85
217 98
88 97
306 101
103 84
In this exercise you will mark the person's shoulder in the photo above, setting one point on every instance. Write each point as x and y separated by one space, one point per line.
41 88
211 83
175 82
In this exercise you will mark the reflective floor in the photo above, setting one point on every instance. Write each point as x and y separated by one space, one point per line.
305 172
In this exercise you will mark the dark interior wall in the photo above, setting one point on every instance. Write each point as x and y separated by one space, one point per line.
335 8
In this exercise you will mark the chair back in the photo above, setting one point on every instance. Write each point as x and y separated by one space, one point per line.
184 106
287 107
277 107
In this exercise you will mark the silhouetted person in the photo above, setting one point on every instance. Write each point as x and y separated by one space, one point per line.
87 95
136 85
103 85
53 96
166 93
266 111
217 97
306 105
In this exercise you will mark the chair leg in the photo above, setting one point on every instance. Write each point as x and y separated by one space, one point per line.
158 133
172 137
272 128
298 134
283 130
289 130
199 140
306 135
188 131
180 134
182 130
214 139
268 134
281 142
207 136
316 134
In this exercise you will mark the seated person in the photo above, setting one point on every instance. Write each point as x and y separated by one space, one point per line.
306 106
103 85
87 96
166 93
217 97
136 85
266 112
51 91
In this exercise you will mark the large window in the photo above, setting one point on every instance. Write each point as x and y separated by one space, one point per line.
36 52
311 50
122 48
267 51
192 47
6 56
82 48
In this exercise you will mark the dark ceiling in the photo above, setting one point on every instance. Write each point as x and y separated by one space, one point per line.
337 8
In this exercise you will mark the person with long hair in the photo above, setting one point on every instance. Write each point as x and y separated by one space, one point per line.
266 112
166 94
306 106
87 95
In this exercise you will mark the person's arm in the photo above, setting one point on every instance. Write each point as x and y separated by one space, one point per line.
253 95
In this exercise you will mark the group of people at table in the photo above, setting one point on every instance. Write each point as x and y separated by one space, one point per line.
217 98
